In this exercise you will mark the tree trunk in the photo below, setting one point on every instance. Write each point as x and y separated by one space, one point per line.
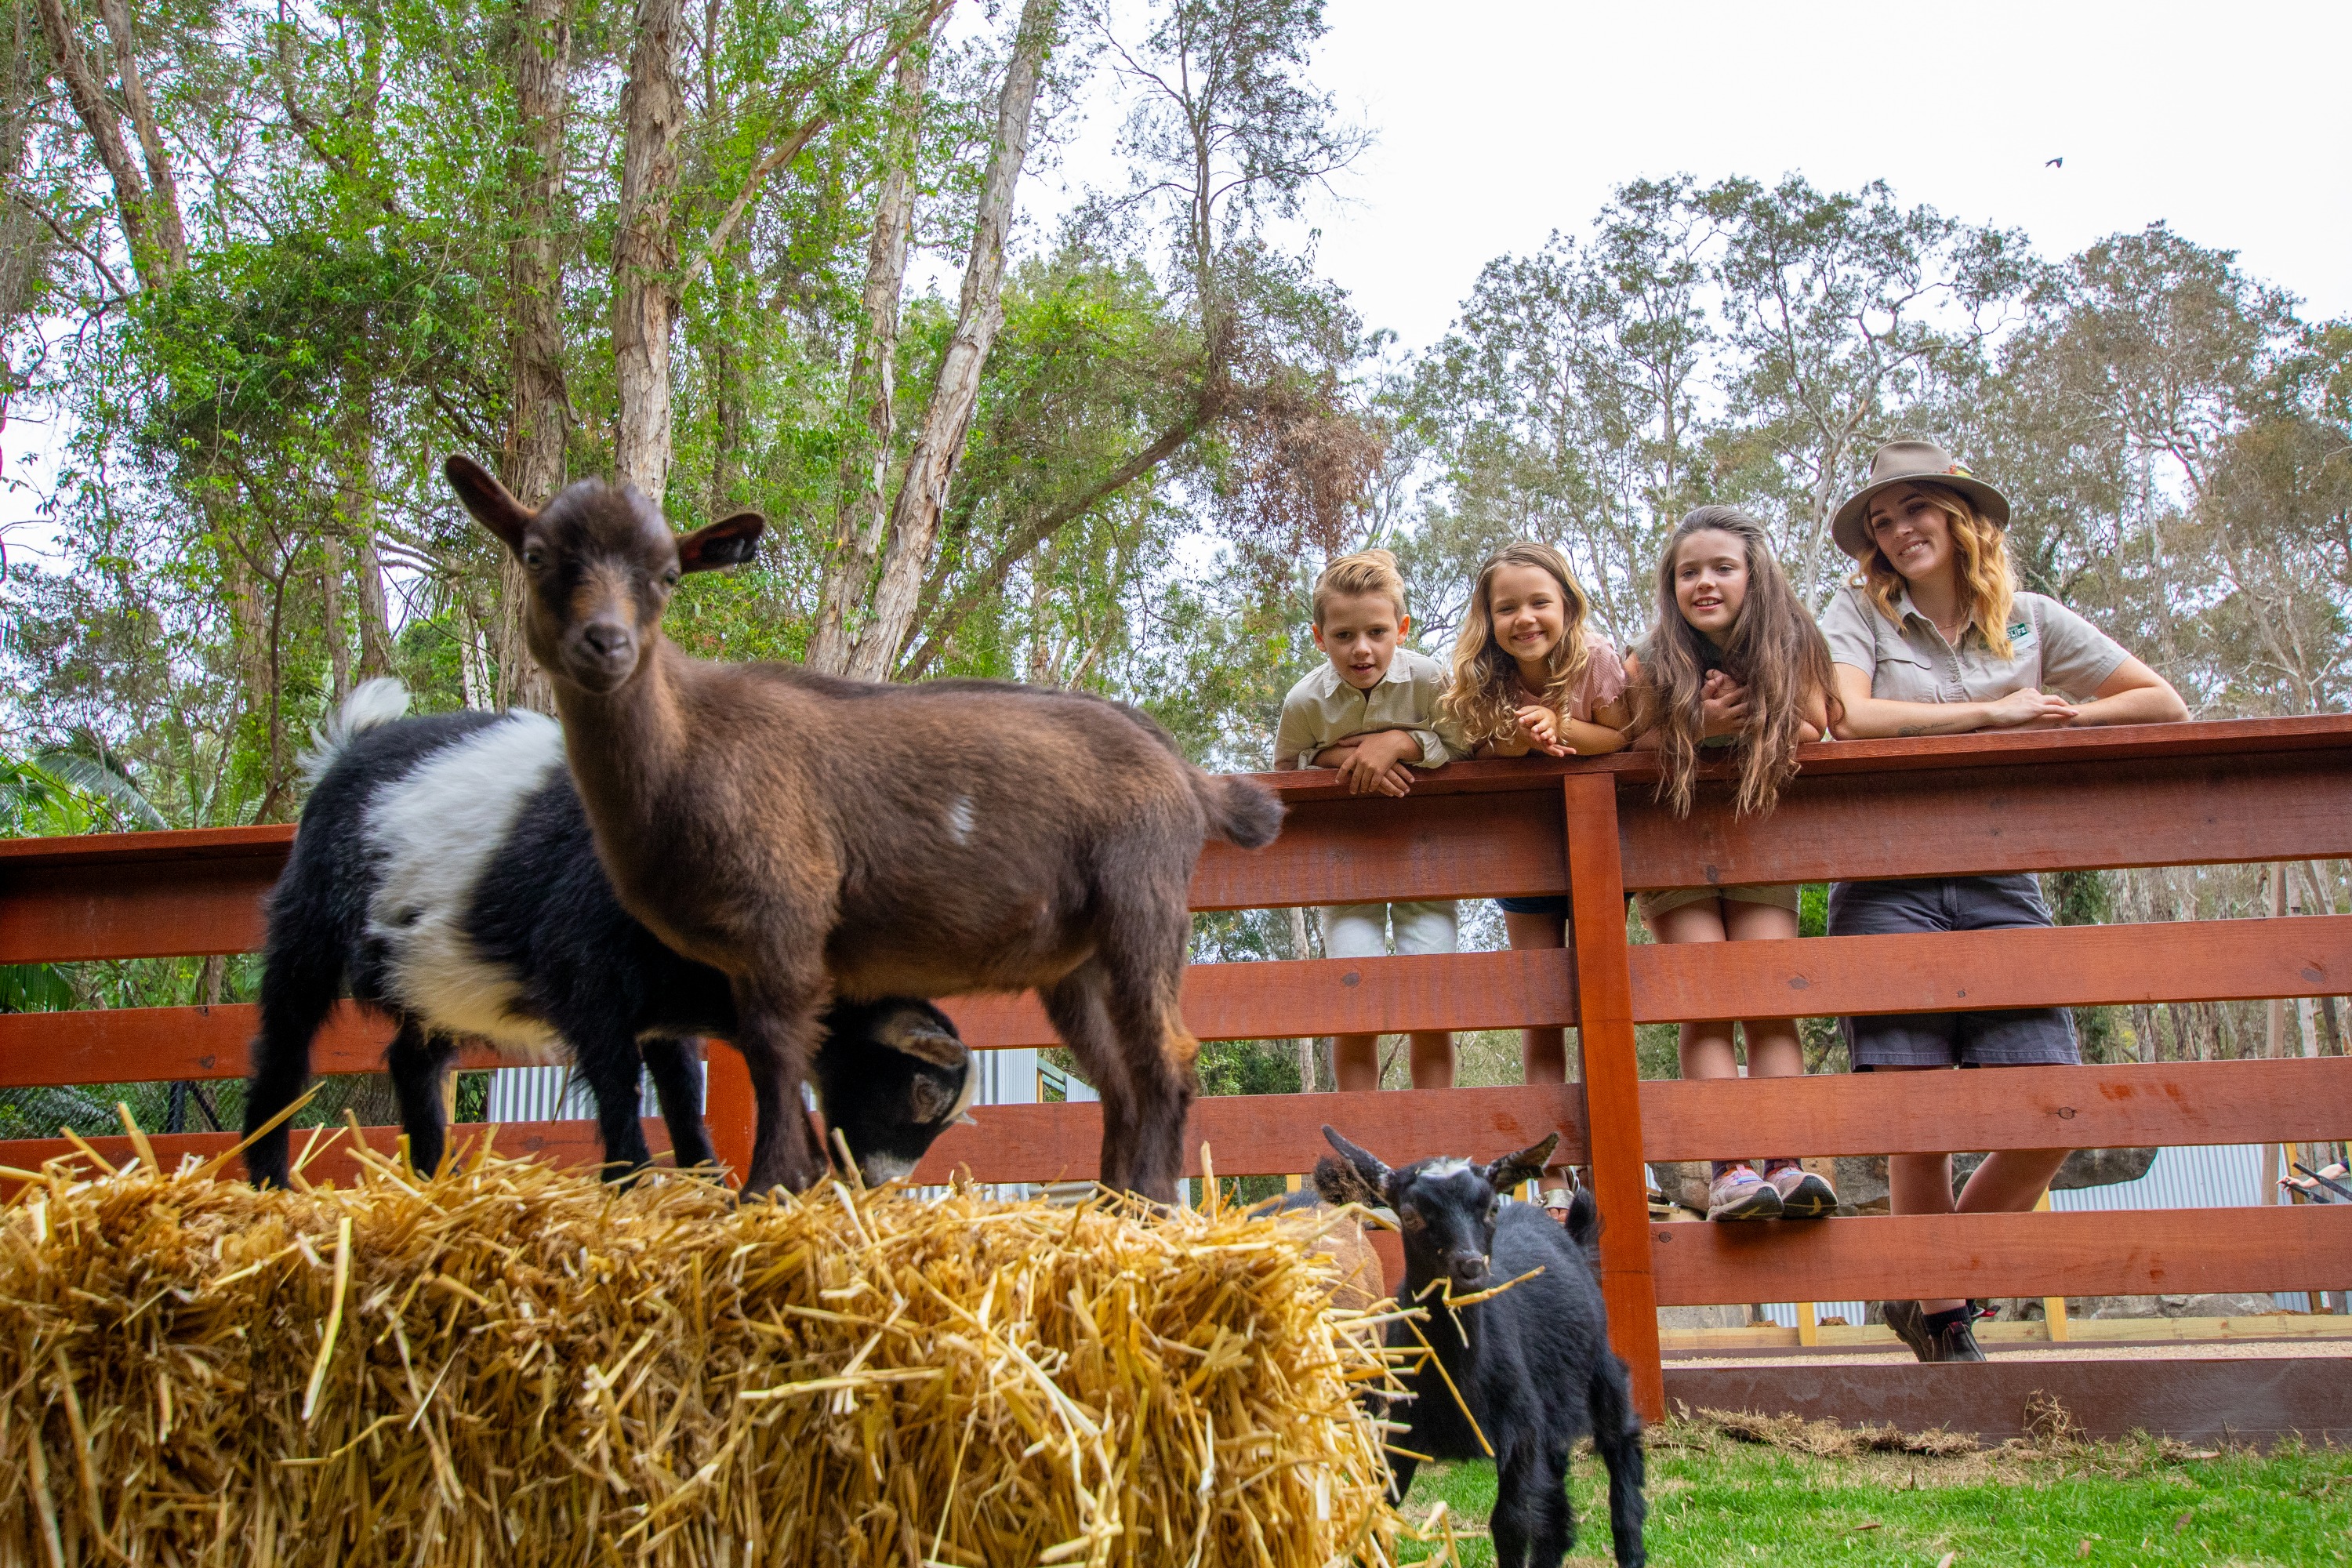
923 488
537 406
163 192
376 654
644 252
865 509
331 600
133 203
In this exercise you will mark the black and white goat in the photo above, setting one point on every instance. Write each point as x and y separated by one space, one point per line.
444 872
1531 1363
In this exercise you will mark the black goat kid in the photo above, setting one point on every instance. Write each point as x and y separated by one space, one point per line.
1532 1363
445 871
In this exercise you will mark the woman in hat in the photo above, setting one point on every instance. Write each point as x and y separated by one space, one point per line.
1933 637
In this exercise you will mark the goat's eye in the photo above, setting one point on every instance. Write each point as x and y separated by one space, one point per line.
534 558
669 578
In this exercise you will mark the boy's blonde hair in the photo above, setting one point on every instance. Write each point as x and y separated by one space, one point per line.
1365 571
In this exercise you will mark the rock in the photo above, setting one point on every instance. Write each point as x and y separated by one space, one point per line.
2224 1304
1728 1317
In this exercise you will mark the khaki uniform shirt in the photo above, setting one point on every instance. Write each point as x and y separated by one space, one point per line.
2051 650
1323 709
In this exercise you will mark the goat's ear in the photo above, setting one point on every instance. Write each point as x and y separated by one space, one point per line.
1337 1181
1526 1165
493 506
1583 1218
920 1035
1366 1166
729 541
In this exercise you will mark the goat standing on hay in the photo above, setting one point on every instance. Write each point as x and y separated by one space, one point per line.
1520 1375
443 872
812 836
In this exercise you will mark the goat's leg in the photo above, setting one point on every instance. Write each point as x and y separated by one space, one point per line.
1551 1518
676 1068
1074 1006
606 1058
1516 1475
1402 1467
1617 1437
298 990
1141 955
420 1065
776 1030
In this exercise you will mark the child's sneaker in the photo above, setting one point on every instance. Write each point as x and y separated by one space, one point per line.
1938 1336
1738 1193
1803 1195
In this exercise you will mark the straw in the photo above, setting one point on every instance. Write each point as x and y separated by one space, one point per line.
510 1363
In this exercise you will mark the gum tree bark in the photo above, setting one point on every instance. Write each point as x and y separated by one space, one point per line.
645 251
151 227
533 464
923 488
865 511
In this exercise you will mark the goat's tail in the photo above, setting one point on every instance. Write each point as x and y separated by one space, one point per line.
370 703
1242 811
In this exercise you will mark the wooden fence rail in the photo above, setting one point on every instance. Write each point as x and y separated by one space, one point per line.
2170 795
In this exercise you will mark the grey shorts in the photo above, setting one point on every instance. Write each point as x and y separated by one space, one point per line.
2029 1037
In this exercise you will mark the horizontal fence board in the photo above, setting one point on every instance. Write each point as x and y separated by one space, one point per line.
2206 1399
1268 1134
1274 1000
175 908
558 1142
1365 848
2174 1104
2043 966
155 1045
1286 999
2144 1252
2037 816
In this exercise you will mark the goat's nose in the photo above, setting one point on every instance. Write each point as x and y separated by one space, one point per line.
607 638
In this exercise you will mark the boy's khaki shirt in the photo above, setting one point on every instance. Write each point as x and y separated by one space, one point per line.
1323 709
2051 650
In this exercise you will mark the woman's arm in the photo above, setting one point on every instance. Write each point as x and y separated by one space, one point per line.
1869 718
2134 694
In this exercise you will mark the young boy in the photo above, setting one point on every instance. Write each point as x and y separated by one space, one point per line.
1371 712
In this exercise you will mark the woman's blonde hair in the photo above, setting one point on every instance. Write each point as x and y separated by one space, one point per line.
1987 588
1773 650
1481 700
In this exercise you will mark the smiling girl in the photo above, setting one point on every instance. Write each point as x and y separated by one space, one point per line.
1530 678
1933 638
1735 666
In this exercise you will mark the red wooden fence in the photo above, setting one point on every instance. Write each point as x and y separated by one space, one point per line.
2169 794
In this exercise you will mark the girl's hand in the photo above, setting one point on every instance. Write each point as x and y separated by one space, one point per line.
1723 705
1539 727
2029 708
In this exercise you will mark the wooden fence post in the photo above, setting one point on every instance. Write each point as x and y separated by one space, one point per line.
1612 1079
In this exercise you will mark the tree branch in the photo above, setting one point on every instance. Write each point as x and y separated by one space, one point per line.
122 295
1040 529
790 149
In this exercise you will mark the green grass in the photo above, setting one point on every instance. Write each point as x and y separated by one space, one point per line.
1713 1500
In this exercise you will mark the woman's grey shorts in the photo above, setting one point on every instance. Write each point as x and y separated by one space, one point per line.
2026 1037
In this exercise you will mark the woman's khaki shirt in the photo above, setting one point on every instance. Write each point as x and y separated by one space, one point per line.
2051 650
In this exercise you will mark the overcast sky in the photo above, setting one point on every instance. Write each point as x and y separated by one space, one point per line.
1499 121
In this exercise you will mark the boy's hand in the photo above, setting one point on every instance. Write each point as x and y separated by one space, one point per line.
1377 763
1539 727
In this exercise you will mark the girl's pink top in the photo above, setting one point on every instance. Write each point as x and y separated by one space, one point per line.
1604 680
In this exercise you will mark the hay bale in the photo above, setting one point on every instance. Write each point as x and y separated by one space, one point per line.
516 1365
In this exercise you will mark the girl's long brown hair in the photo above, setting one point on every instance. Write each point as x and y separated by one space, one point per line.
1773 648
1482 699
1987 590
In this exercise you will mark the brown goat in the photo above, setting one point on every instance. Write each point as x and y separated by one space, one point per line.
813 837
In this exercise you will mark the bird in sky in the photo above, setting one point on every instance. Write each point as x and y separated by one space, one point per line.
2055 163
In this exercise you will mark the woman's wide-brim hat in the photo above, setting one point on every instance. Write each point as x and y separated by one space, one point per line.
1911 463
